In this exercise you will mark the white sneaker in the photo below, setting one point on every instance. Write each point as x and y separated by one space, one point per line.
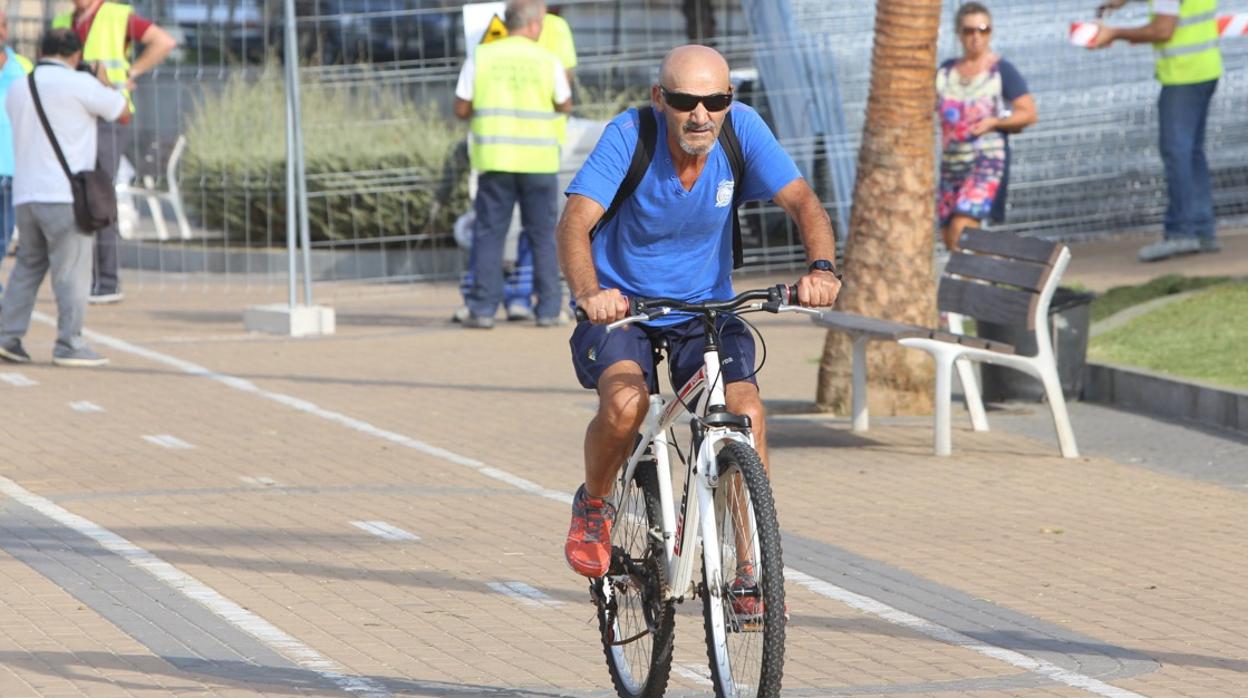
105 298
518 313
1166 249
82 357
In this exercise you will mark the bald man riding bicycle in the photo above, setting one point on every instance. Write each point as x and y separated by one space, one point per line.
672 238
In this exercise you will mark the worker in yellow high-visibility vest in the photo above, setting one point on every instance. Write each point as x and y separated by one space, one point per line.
13 67
1184 35
513 90
108 31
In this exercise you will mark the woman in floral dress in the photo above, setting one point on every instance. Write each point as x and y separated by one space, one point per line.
981 97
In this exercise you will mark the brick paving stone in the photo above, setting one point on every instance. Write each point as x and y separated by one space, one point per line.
1132 558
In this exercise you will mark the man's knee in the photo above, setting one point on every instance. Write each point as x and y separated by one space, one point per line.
623 398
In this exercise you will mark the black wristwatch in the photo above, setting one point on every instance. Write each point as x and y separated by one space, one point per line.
825 265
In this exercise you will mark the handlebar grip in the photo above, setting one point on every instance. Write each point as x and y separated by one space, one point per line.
581 315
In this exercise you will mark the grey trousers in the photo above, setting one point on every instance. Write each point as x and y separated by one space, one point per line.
50 239
114 139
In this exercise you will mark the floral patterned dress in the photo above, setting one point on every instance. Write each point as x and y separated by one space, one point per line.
973 169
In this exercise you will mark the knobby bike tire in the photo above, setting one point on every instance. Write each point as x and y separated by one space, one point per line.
647 648
753 649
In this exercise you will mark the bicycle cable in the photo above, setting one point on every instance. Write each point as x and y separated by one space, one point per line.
720 377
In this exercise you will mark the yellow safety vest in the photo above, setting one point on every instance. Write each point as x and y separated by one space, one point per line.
513 111
1191 55
106 42
556 37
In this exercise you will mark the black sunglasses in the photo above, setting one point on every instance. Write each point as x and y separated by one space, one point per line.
981 29
686 102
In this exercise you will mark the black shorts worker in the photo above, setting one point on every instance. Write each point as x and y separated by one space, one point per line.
593 350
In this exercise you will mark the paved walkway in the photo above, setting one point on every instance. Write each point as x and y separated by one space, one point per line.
1104 264
381 513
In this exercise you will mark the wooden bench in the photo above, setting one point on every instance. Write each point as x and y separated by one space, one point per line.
997 278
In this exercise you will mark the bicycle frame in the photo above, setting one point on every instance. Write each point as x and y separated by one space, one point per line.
685 528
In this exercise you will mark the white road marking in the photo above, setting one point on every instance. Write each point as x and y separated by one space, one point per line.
315 410
85 406
258 481
18 380
525 594
867 604
697 674
166 441
199 592
819 586
385 531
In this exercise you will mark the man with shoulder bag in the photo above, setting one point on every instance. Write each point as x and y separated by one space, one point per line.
59 197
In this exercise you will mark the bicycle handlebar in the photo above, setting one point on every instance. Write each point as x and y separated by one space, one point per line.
775 299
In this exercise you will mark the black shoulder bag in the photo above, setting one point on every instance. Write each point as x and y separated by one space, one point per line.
95 196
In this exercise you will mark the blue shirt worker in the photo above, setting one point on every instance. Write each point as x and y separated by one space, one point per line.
672 238
13 67
1184 35
514 90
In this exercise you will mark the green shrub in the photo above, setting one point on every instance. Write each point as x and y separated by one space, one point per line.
377 165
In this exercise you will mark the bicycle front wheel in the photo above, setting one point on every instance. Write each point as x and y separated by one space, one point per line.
743 602
635 616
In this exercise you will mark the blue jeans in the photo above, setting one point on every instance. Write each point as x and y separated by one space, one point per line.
497 194
7 218
517 282
1182 113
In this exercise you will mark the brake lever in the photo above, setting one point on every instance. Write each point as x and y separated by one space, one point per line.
799 309
640 317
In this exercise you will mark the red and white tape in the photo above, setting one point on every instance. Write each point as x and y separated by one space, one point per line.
1083 33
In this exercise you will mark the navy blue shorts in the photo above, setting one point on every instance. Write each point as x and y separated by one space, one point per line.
593 350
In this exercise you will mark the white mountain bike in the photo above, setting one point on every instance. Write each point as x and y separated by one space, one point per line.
726 516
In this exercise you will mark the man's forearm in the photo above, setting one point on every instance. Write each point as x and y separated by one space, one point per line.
157 45
816 231
572 239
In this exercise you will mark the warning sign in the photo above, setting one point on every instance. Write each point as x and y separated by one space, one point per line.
483 23
495 30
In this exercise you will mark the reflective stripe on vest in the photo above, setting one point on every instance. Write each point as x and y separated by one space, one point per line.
106 42
513 112
1191 55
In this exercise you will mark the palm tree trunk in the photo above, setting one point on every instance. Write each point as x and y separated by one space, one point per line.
888 259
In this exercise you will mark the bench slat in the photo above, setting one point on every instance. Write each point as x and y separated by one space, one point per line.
986 302
1012 246
887 329
1003 271
876 327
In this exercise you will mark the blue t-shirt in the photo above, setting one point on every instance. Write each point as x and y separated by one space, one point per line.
12 72
665 241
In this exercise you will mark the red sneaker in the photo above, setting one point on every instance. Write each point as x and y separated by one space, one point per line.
746 604
588 550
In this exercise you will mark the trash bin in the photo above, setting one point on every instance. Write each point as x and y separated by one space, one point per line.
1069 318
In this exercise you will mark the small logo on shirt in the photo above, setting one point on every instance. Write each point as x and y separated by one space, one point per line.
723 194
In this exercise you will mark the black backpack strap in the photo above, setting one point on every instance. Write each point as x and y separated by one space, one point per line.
736 160
643 153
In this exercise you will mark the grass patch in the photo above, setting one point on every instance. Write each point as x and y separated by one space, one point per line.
1202 337
1121 297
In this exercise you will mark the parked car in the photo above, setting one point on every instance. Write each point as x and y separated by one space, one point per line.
329 31
211 31
377 31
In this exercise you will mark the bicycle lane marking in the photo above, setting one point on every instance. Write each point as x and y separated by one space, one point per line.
814 584
195 590
1043 667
